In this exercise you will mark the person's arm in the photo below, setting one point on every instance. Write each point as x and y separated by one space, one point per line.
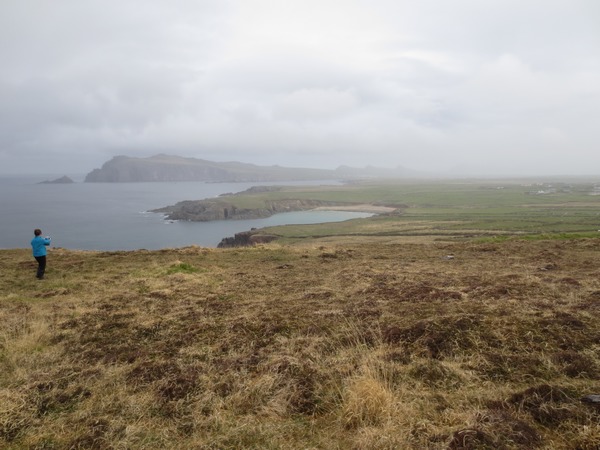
47 240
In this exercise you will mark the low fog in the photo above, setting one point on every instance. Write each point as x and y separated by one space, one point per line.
501 87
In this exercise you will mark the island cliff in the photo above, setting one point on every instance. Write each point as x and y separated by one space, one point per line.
126 169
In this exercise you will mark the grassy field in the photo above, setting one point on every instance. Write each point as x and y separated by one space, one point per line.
485 209
383 342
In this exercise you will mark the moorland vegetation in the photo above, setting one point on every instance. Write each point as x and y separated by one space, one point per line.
392 332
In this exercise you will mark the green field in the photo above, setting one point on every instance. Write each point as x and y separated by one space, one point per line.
456 209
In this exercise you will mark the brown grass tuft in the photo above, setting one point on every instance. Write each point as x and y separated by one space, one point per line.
366 402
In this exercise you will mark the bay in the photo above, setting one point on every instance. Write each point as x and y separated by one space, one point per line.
114 216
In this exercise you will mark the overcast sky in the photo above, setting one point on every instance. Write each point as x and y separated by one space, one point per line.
481 87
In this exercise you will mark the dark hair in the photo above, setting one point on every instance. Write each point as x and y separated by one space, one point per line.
37 231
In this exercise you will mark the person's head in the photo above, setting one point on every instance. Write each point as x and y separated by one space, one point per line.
37 232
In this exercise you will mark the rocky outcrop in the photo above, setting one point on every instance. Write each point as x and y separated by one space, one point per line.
62 180
246 239
220 209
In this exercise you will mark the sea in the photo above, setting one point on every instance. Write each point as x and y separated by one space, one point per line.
115 216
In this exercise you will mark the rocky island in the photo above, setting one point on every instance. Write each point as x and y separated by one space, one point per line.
125 169
62 180
164 168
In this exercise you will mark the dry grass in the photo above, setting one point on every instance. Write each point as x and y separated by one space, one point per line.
363 346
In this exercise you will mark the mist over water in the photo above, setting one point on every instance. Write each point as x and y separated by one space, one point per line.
114 216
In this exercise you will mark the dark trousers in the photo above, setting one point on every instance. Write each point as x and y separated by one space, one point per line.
41 266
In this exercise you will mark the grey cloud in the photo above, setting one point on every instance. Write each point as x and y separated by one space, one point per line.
429 84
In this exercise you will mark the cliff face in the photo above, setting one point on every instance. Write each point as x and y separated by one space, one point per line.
207 210
124 169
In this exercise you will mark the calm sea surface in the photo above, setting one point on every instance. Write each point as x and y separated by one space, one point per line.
113 216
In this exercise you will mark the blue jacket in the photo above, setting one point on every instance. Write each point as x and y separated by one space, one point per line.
38 244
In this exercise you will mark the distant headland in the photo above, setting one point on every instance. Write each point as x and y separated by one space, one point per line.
62 180
126 169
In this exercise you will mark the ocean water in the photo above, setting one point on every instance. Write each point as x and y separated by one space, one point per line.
114 216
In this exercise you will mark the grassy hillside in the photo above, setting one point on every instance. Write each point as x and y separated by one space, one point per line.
373 345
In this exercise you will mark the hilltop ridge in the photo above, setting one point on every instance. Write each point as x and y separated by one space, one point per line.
125 169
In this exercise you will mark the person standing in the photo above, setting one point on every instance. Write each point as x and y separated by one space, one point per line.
39 244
